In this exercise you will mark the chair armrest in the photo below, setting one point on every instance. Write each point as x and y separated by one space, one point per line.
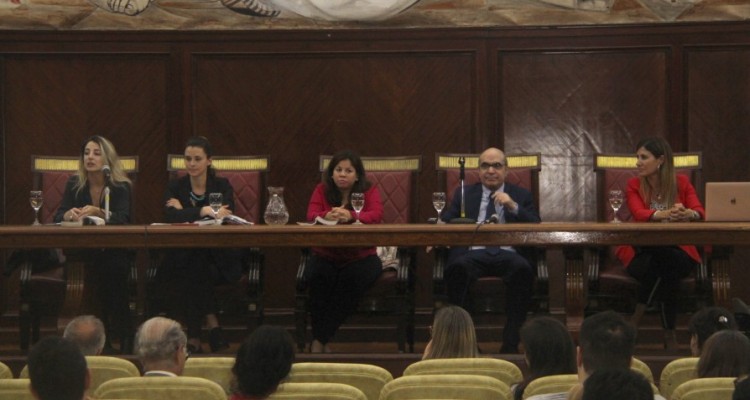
406 257
254 260
304 261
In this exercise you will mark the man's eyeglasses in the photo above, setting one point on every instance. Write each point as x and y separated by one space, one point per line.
485 166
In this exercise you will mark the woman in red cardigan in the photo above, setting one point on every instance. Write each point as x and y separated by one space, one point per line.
657 194
338 276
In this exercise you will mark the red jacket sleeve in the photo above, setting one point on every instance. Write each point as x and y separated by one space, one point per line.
687 195
640 211
318 206
372 213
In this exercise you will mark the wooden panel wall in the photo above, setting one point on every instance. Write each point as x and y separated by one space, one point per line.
566 93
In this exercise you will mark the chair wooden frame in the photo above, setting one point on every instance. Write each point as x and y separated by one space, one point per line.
253 259
449 162
593 258
405 276
74 276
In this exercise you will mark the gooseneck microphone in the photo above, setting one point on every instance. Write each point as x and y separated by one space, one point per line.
462 176
107 179
107 172
494 219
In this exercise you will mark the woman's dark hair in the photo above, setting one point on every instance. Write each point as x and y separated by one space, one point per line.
263 360
203 143
725 354
549 350
710 320
333 194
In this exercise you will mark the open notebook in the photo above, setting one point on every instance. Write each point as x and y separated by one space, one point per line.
728 201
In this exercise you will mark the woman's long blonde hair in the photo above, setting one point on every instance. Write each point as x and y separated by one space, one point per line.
110 157
667 177
453 335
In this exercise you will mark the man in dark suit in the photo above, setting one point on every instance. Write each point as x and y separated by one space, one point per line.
510 204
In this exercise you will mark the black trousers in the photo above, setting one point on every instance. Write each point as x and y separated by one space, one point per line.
465 269
111 269
335 291
659 270
191 274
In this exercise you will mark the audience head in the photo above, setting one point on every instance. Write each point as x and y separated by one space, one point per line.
725 354
606 341
705 323
548 348
102 153
617 384
198 153
57 370
344 173
161 345
87 332
492 168
453 335
263 360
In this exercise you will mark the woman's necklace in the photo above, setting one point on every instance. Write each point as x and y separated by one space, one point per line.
195 199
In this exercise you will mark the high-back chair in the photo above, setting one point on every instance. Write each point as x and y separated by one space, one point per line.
392 293
215 369
609 284
705 389
488 294
161 388
317 391
676 373
370 379
43 292
247 175
454 386
15 389
502 370
550 384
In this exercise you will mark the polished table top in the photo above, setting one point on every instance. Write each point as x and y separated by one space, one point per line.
292 235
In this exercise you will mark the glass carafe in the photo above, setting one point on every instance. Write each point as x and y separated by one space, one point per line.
276 212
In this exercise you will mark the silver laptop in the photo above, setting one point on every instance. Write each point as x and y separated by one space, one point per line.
728 201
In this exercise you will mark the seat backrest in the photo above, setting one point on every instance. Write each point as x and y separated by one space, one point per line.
15 389
550 384
705 389
454 386
51 173
105 368
396 178
5 372
523 171
676 373
317 391
614 170
642 368
370 379
215 369
502 370
246 174
163 388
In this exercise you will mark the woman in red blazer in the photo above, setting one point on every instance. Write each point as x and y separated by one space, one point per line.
657 194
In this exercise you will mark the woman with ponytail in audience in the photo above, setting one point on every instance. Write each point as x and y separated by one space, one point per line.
263 362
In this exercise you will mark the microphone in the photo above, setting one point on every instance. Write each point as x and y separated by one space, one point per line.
462 175
462 170
494 219
107 172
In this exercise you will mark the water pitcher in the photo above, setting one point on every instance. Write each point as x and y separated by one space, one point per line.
276 212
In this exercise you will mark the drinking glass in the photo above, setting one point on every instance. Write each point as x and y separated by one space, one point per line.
438 201
36 199
214 200
615 201
358 203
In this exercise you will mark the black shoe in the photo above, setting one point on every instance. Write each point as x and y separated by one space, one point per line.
508 349
217 341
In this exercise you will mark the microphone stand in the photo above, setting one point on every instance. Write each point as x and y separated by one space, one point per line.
462 176
106 204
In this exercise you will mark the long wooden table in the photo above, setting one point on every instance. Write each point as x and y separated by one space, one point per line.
548 234
567 235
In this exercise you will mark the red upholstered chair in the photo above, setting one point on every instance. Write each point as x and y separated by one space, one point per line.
488 294
247 175
393 292
43 293
609 284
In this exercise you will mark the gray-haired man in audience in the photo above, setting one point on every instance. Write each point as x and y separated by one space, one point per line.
87 332
161 347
